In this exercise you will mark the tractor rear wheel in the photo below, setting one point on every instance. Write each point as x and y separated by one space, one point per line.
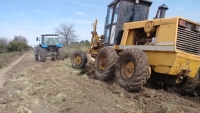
78 59
61 54
189 84
42 54
132 70
105 63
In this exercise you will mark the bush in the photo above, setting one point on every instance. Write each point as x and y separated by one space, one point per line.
17 46
3 48
3 44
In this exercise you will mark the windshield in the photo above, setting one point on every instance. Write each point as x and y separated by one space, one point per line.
50 40
141 12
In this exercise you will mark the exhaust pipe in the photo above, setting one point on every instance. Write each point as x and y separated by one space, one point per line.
161 11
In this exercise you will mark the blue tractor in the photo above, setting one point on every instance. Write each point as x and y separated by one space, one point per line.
49 47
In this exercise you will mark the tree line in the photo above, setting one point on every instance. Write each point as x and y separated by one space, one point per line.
18 44
67 36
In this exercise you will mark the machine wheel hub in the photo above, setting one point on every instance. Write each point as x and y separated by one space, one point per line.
77 59
127 68
102 63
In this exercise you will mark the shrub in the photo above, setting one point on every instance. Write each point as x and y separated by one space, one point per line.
17 46
3 44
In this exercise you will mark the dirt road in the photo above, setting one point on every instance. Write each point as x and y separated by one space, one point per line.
55 87
7 69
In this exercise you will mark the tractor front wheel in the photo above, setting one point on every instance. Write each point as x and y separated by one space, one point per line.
78 59
105 63
132 70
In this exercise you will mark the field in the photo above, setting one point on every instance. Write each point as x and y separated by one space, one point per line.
55 87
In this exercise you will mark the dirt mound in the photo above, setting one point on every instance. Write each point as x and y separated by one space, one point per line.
157 98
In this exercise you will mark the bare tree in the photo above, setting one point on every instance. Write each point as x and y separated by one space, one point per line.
3 41
3 44
67 32
21 38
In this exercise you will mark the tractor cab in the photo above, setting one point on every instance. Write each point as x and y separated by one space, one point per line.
49 40
120 12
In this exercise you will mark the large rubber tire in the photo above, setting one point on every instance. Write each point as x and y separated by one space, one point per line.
189 84
42 54
61 54
109 59
82 59
139 74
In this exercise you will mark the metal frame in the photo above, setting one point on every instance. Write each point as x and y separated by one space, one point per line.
120 15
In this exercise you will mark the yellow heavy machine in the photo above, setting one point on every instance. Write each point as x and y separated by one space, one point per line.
134 49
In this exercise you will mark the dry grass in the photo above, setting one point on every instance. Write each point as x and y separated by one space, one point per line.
7 58
74 47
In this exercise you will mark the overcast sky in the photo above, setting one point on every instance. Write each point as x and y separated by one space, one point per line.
31 18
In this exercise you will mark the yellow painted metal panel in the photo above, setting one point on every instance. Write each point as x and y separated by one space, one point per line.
169 20
130 38
124 37
173 63
162 69
157 22
185 61
132 25
161 59
166 33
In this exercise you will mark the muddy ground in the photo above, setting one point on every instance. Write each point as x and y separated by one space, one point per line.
55 87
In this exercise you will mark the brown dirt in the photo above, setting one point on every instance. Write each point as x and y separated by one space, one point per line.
7 69
55 87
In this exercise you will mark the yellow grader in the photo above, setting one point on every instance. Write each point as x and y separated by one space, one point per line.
134 49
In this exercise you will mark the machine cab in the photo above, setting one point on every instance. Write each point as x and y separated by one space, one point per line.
120 12
50 39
